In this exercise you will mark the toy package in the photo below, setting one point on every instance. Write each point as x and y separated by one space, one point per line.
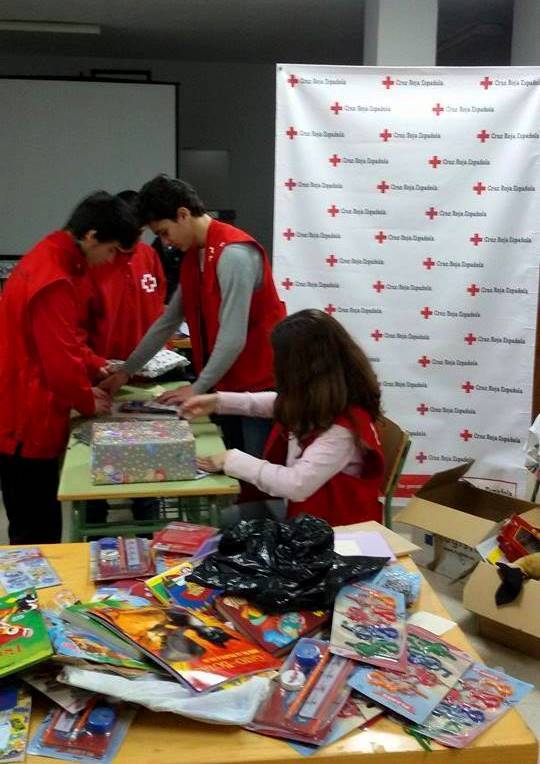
518 538
117 557
44 679
433 668
26 569
307 695
15 708
142 451
481 696
180 537
398 579
369 625
93 734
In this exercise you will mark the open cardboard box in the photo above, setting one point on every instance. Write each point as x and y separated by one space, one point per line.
458 516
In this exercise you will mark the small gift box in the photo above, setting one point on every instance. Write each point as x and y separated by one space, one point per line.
142 451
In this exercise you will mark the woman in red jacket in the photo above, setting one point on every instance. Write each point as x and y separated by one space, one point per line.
323 455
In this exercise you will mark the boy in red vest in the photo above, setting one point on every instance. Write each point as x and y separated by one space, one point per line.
44 369
126 297
228 298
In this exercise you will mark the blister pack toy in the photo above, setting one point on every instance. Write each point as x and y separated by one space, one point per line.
117 557
517 538
479 699
369 625
398 579
94 734
433 668
307 695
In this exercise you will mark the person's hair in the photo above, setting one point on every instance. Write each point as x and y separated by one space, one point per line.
110 217
320 374
160 198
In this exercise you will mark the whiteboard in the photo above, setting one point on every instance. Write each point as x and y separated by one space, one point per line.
62 139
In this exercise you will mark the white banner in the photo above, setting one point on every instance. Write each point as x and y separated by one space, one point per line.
406 206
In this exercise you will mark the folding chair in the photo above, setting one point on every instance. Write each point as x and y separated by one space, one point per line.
395 443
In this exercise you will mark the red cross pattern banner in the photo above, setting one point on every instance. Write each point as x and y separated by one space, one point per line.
406 206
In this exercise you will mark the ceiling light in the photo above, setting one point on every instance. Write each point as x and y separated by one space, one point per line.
52 27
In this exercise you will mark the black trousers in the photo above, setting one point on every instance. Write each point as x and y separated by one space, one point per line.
29 489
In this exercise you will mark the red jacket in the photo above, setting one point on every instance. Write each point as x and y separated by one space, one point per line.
128 296
42 367
345 498
201 298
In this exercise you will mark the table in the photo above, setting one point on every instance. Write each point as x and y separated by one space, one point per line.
76 482
170 739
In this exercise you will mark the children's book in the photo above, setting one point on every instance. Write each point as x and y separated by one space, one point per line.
23 635
276 633
15 704
171 588
195 647
84 639
434 667
26 569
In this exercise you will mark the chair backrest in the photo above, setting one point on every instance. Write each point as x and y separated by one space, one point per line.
394 442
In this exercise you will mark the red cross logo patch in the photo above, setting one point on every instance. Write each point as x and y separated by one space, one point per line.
149 283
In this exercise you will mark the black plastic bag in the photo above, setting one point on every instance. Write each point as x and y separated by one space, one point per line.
282 566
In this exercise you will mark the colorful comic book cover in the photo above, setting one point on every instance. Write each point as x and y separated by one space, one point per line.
26 569
276 633
16 706
193 646
23 635
433 668
171 588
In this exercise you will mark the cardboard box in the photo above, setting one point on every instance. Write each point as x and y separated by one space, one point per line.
453 516
142 451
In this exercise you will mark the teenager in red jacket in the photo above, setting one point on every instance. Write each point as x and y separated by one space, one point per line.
43 366
324 456
127 296
228 298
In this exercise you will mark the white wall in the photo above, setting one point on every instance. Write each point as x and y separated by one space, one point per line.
222 106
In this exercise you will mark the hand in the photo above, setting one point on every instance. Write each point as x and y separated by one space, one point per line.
212 463
102 401
176 397
199 405
114 382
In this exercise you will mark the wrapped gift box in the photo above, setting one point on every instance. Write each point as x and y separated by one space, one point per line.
142 451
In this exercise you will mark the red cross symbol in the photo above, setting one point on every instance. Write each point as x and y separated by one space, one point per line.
383 187
431 213
479 188
287 283
486 83
377 335
378 286
483 135
424 361
428 263
330 309
380 237
466 435
290 184
434 161
149 283
293 80
331 261
385 135
421 457
336 108
335 160
291 132
426 312
388 82
288 234
422 409
473 290
467 387
333 210
437 109
476 239
470 339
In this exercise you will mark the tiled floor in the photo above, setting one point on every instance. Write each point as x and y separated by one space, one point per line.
516 664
